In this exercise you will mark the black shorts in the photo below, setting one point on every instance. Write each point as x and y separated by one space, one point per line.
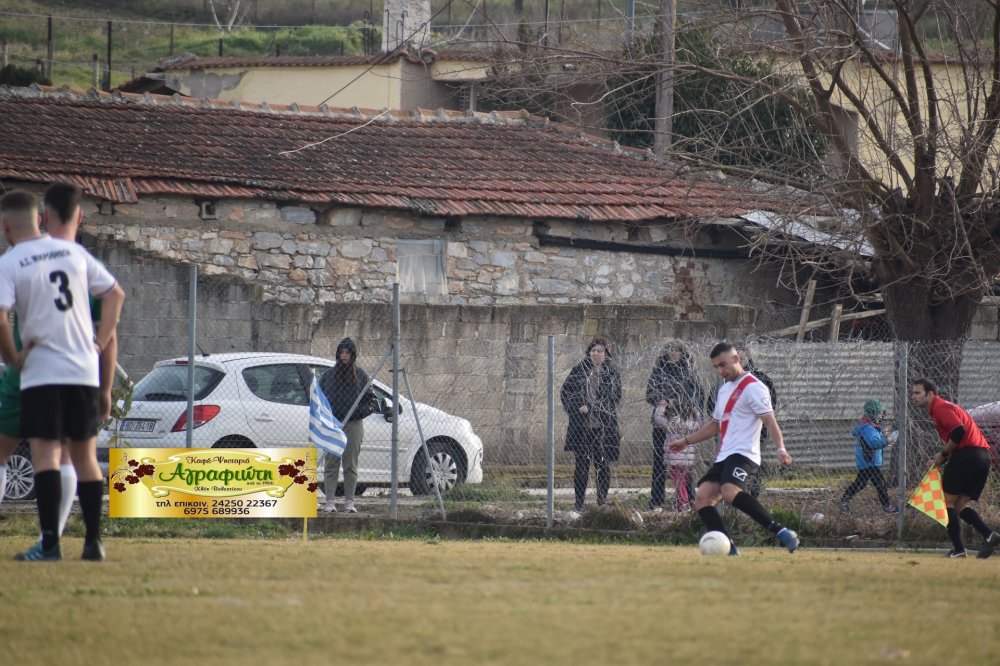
735 469
966 472
60 411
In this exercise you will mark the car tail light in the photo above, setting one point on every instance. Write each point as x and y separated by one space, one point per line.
202 415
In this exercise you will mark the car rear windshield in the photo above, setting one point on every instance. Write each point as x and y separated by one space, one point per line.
169 382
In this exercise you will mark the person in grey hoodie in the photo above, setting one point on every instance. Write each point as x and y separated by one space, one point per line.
342 384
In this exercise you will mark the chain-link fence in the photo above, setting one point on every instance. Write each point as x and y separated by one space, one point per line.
481 404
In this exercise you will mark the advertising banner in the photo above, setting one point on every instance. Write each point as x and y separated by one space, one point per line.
212 483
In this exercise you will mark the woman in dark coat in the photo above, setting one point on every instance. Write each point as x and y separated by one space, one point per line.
672 381
590 395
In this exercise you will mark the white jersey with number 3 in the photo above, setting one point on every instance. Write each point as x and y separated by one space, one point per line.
46 281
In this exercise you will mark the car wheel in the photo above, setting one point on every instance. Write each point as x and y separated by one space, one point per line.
233 442
20 474
445 464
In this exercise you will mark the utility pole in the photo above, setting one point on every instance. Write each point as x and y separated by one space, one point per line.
664 128
107 84
49 53
629 20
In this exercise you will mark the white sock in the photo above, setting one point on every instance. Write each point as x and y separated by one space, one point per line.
68 475
3 481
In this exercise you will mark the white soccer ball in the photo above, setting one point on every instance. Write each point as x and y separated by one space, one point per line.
714 543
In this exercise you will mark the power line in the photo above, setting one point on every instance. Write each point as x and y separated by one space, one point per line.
335 136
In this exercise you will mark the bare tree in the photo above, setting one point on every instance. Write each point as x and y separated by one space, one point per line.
230 10
910 115
922 171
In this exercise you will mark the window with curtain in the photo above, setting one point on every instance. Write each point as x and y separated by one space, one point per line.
420 269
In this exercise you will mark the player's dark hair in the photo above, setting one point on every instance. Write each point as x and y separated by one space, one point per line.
721 348
928 385
63 199
18 201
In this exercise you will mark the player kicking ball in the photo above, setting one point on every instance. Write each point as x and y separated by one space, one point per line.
47 282
742 408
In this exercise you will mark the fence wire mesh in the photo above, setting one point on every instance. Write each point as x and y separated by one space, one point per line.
482 408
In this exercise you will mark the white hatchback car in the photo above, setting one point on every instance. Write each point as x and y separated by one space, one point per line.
261 400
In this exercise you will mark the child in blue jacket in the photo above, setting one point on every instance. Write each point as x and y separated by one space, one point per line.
869 441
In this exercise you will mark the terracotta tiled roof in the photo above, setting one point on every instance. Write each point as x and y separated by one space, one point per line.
323 61
121 146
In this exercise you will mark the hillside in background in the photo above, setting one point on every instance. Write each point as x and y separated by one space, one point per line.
141 30
144 32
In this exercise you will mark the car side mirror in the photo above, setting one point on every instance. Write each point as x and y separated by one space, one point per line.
386 408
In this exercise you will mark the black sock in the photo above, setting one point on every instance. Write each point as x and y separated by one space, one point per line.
48 495
955 531
90 494
749 505
970 516
712 519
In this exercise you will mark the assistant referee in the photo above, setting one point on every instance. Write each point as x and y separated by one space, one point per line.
966 460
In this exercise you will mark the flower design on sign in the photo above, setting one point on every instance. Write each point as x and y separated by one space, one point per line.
299 474
130 473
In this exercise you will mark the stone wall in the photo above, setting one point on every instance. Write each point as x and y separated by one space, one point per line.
485 363
289 278
299 255
489 363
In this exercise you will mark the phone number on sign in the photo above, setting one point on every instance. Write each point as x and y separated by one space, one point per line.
230 507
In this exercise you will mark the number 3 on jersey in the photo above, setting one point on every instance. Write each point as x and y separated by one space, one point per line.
65 300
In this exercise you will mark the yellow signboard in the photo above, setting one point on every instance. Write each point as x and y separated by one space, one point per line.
212 483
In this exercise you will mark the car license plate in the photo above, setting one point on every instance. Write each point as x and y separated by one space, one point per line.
137 425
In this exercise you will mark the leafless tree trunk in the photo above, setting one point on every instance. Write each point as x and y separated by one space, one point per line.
232 17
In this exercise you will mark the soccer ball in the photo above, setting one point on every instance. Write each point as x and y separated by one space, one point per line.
714 543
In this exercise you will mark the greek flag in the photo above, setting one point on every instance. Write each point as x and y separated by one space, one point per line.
325 430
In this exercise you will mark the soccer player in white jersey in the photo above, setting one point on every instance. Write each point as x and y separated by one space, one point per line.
742 407
47 281
61 219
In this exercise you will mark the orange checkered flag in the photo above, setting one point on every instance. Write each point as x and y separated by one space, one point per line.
929 497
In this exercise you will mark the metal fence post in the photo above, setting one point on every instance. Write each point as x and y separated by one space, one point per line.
550 433
192 344
394 448
902 402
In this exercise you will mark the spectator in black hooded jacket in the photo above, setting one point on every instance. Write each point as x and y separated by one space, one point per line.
342 384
